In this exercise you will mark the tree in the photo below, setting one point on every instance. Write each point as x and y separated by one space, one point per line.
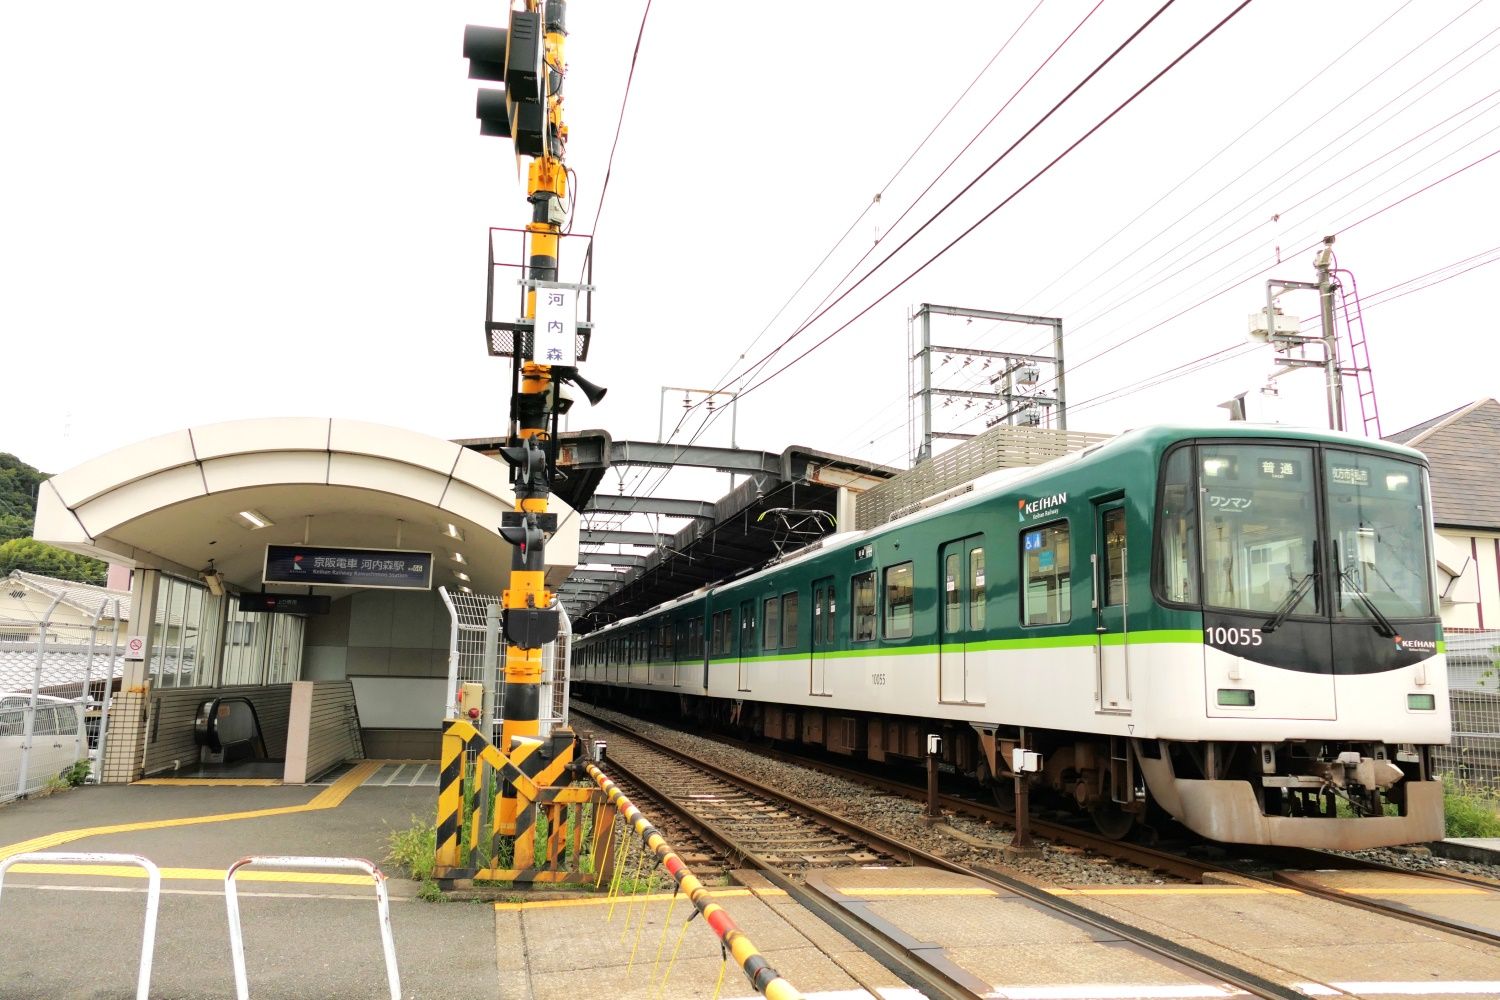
32 556
19 483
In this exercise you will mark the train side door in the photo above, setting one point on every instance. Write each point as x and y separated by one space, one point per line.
822 636
1111 613
747 643
961 621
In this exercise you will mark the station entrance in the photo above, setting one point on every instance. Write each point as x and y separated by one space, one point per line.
287 594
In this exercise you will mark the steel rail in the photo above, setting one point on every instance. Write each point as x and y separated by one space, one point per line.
885 948
911 969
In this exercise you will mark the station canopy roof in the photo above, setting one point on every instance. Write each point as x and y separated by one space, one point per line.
190 499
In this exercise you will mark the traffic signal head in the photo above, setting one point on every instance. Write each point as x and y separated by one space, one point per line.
512 56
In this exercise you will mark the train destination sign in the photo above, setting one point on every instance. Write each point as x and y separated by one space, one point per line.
312 565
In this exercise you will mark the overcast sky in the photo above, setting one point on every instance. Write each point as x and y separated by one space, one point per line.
217 211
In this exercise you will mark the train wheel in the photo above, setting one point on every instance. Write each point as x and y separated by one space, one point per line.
1112 821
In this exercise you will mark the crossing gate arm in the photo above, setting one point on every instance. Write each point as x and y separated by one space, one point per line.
153 897
237 938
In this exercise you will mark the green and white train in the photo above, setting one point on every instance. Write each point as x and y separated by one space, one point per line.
1237 624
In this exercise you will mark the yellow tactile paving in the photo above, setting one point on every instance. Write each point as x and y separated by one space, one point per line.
329 798
192 874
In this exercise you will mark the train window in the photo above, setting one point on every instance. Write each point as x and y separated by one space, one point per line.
862 601
898 601
788 621
1260 518
952 610
1047 597
976 588
770 636
1377 513
723 631
1178 530
1114 556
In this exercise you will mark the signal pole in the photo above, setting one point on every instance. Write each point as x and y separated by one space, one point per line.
528 57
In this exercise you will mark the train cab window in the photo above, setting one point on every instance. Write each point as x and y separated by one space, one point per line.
788 621
976 588
1377 514
862 604
1047 596
1178 530
1260 525
770 619
898 601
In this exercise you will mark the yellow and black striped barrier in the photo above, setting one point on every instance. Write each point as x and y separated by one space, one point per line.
762 976
488 802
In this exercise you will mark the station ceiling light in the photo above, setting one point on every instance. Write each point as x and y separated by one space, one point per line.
256 519
458 557
454 531
462 576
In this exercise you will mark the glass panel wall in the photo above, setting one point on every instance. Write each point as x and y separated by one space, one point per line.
184 634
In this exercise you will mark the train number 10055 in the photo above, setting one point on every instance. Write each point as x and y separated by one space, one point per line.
1218 635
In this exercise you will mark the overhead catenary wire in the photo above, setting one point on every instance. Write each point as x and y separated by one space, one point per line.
1012 196
824 307
1169 273
1170 267
1312 123
724 378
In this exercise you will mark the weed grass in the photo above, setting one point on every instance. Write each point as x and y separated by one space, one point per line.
1469 813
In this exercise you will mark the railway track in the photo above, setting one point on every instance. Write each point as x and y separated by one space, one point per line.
1276 868
727 803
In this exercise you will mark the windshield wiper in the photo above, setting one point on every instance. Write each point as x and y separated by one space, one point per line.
1285 607
1382 623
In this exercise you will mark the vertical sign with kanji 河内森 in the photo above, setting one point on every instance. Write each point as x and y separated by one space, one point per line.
553 343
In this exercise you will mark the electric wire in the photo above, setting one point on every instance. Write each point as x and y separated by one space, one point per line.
824 307
1012 196
1168 272
724 378
1187 251
1076 265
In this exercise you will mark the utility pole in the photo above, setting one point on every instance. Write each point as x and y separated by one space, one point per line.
1284 333
1335 375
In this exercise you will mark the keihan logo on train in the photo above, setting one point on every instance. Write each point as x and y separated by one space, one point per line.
1035 508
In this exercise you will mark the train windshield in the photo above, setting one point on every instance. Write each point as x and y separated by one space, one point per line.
1378 518
1259 514
1239 532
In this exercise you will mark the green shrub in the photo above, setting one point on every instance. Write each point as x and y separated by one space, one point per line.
77 774
1470 814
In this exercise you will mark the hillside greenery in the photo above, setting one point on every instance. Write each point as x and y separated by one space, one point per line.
19 483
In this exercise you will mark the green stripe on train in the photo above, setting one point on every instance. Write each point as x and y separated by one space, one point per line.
1178 636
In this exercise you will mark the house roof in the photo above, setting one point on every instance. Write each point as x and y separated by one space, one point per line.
1460 445
84 596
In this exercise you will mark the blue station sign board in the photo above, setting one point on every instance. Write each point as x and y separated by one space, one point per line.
318 566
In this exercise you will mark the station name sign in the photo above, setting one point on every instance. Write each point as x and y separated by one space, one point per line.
312 565
285 604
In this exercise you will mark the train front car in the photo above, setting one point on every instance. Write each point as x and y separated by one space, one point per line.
1307 561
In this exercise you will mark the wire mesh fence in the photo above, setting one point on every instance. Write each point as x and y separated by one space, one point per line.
57 674
1472 760
476 655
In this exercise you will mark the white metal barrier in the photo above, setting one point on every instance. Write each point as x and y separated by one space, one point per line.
237 939
153 898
